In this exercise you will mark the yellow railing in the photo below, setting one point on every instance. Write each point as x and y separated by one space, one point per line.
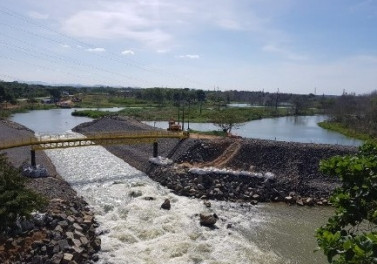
102 138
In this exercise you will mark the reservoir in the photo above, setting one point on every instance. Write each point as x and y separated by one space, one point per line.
135 230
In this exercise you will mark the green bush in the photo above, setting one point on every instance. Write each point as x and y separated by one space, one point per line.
15 199
350 236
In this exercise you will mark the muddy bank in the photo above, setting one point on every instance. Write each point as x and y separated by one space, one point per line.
46 238
291 168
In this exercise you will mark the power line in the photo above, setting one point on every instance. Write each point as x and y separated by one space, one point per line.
115 57
55 58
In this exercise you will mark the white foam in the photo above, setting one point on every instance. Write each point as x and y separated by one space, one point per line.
136 230
161 161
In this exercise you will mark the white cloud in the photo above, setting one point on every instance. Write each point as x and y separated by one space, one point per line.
163 23
229 24
128 23
283 52
96 50
162 50
37 15
188 56
128 52
66 46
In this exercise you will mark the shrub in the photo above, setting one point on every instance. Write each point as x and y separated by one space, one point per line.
350 236
15 199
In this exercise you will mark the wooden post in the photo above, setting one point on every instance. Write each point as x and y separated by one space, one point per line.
32 153
155 149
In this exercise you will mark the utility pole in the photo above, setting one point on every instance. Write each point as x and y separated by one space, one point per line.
188 119
277 100
178 113
183 117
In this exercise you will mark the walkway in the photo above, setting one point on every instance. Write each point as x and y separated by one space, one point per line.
104 138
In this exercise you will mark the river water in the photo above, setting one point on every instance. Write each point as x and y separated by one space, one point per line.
135 230
289 128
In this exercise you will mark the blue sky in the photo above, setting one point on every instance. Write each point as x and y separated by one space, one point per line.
296 46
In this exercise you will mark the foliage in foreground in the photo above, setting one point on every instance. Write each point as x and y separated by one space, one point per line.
15 199
350 236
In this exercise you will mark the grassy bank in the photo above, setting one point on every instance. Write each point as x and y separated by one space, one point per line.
92 113
342 129
194 115
23 108
218 133
104 101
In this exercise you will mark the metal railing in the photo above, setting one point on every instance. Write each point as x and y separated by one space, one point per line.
101 138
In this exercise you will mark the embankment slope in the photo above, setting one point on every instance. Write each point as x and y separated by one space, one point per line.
295 165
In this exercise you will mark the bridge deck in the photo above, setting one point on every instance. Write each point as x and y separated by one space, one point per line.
103 138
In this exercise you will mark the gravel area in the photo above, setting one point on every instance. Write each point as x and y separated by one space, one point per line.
51 187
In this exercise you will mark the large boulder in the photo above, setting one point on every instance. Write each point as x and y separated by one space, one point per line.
208 219
166 204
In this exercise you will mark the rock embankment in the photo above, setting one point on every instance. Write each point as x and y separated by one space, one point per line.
65 231
63 234
294 166
260 170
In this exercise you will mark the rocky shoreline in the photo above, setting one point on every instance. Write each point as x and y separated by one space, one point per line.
260 171
251 170
64 232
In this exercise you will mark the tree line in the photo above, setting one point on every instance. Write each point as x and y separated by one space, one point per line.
356 112
11 91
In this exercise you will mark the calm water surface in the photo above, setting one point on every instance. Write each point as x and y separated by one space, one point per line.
135 230
291 128
54 121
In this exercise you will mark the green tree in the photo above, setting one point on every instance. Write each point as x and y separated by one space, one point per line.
350 236
15 199
226 120
55 94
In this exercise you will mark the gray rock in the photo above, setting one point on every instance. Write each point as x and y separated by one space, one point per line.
63 223
63 244
58 228
208 219
135 194
71 219
84 240
67 258
166 205
200 186
76 242
57 258
69 235
309 201
299 201
77 227
96 244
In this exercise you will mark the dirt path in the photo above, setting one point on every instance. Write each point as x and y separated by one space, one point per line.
225 157
203 136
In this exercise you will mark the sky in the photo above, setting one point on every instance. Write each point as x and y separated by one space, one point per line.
290 46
